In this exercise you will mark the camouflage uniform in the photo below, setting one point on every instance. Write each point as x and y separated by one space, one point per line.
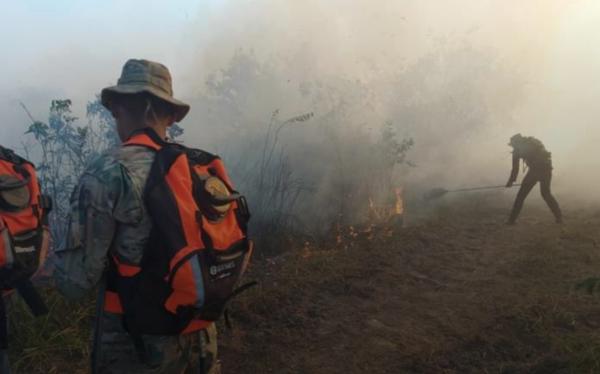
108 216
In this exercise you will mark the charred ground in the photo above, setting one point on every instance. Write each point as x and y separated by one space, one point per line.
458 293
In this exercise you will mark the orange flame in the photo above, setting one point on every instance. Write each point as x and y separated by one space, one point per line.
399 208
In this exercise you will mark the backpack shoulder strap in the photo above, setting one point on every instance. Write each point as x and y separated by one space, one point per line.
148 138
10 156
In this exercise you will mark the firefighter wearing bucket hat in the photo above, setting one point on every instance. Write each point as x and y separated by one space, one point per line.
539 162
109 223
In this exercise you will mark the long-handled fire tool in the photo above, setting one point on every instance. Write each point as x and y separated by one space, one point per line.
436 193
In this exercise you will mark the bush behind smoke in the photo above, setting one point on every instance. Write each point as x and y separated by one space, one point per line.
455 102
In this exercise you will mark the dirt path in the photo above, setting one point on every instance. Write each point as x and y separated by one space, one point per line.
462 293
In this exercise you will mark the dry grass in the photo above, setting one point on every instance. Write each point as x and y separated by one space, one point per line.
460 293
55 343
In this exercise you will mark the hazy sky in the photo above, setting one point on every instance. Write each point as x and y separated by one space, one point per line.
68 48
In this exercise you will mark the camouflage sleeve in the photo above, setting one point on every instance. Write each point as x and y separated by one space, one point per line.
81 258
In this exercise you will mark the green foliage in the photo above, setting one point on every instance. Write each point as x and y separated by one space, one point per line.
65 147
174 132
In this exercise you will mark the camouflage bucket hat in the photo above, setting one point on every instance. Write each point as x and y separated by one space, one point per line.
146 76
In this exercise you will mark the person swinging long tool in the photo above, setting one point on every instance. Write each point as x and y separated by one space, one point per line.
539 161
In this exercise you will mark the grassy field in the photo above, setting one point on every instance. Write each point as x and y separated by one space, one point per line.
456 291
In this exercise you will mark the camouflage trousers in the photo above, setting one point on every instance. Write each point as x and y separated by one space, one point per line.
190 353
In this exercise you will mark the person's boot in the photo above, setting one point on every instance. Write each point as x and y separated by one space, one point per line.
512 219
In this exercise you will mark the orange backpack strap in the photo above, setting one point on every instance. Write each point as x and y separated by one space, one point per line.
146 137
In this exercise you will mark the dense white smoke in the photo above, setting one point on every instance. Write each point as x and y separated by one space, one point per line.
459 77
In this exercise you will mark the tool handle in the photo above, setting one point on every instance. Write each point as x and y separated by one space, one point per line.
483 188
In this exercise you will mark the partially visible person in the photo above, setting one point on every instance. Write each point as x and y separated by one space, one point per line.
24 238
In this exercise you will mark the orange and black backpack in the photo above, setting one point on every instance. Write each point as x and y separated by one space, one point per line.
197 250
24 236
